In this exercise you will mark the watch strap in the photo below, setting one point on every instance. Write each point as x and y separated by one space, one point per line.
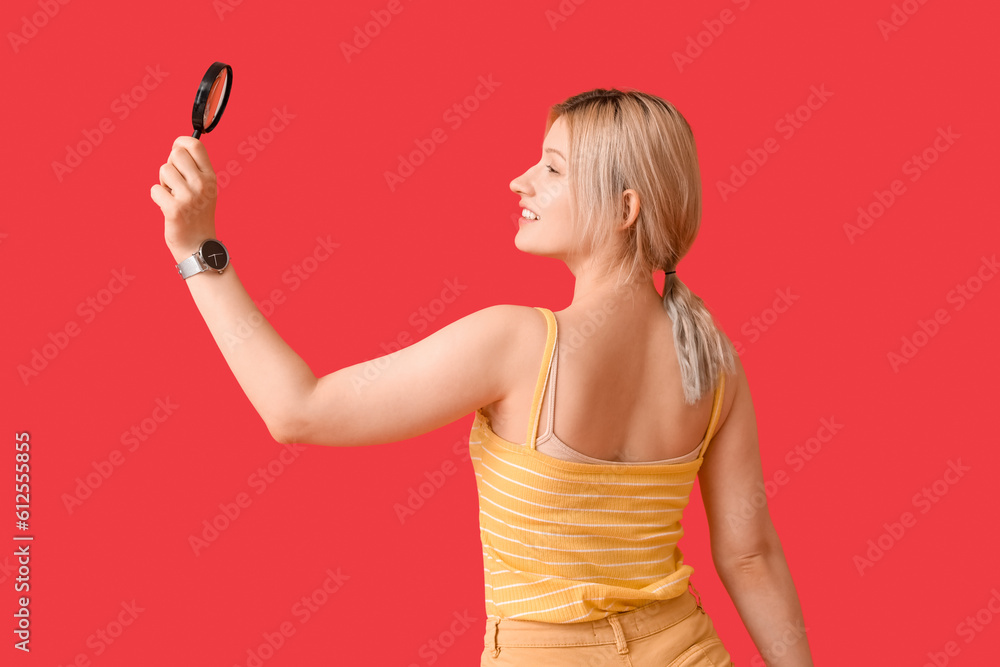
191 266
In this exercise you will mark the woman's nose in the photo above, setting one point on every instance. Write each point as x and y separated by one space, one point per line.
517 185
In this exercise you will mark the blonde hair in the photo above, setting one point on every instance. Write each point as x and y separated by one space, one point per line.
623 140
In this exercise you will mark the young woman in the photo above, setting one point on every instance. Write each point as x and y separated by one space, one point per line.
579 530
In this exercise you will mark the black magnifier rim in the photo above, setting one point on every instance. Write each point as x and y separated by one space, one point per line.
201 97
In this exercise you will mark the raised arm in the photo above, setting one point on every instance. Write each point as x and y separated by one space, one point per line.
745 546
419 388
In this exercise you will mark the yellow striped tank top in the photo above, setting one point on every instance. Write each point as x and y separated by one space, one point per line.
568 541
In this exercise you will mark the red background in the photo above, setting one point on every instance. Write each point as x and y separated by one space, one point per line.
323 175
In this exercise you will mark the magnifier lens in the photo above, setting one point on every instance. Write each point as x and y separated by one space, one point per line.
215 96
210 100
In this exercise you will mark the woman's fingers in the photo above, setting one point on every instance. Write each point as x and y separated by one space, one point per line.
170 178
185 165
196 151
160 195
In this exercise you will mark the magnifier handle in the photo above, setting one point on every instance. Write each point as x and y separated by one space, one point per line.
197 133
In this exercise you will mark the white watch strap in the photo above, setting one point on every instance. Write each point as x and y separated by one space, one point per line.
191 266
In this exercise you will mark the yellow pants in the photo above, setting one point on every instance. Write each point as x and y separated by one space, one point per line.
666 633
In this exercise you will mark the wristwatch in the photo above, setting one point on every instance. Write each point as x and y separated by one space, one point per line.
211 254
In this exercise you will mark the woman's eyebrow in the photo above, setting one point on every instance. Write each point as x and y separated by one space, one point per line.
553 150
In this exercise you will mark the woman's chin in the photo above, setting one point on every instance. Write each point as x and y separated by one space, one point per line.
527 243
524 246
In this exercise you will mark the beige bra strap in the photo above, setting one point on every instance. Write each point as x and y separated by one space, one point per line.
549 394
543 372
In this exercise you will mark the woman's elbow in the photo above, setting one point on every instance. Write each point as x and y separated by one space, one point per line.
281 434
299 431
287 431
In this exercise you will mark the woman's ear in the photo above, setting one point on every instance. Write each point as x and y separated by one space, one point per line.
631 208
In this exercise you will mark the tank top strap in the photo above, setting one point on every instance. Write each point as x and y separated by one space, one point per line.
720 391
543 374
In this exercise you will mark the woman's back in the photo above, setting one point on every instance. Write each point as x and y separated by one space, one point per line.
568 541
618 394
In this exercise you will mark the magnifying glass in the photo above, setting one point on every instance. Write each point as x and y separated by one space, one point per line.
210 100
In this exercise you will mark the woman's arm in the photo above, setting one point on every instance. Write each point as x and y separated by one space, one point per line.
428 384
745 546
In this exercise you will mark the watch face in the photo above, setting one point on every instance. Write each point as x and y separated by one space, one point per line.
214 254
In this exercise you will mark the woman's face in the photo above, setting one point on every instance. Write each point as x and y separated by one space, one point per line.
544 190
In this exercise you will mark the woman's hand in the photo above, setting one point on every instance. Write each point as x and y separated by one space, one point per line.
186 194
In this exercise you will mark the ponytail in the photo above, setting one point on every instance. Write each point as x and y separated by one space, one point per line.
703 350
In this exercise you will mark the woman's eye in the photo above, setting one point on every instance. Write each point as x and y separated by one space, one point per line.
549 167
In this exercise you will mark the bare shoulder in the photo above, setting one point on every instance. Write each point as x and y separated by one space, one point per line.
516 325
524 328
502 329
523 332
526 323
511 330
511 313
